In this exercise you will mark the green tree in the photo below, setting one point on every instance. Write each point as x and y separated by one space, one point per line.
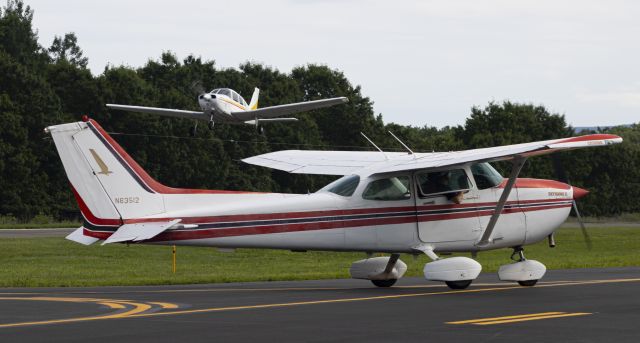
67 50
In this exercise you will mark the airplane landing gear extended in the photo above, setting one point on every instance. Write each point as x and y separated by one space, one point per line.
382 271
456 272
525 272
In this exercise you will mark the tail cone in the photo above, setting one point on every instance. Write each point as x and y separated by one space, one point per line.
579 192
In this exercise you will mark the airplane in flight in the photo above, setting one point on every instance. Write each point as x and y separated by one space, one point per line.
224 105
385 202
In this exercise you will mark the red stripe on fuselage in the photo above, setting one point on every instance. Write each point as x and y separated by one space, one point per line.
311 214
326 225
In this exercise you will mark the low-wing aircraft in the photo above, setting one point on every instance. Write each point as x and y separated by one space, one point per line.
224 105
413 203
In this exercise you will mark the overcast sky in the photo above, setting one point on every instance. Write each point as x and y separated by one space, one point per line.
421 62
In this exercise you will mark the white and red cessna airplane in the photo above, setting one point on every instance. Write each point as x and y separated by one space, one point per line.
431 203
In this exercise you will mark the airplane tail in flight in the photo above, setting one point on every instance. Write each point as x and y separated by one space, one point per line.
253 105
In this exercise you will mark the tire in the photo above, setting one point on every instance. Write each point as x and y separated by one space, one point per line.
211 124
192 131
528 283
384 283
462 284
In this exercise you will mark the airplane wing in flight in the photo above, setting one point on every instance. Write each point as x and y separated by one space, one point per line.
167 112
348 162
282 110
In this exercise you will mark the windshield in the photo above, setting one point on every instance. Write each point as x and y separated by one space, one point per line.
344 186
485 175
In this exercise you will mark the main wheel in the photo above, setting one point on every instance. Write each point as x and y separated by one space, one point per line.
192 131
528 283
462 284
384 283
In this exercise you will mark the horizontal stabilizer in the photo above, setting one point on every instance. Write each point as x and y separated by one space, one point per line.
139 231
270 120
79 237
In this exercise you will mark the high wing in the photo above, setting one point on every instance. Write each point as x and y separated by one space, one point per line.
322 162
348 162
282 110
167 112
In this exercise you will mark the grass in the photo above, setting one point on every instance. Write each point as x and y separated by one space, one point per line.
32 262
37 222
40 226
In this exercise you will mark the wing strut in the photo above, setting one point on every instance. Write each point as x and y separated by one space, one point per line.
517 164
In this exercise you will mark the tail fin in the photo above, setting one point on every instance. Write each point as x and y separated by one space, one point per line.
253 105
108 184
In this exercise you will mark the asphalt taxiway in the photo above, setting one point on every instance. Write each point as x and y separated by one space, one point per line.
585 305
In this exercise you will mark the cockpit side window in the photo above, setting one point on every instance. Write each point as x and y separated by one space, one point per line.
344 186
442 182
242 102
235 96
393 188
485 175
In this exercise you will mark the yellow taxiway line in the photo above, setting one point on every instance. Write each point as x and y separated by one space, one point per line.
140 308
136 308
519 318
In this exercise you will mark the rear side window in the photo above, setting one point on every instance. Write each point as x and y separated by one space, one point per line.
393 188
345 186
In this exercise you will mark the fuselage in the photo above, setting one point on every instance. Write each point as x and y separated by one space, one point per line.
365 220
220 103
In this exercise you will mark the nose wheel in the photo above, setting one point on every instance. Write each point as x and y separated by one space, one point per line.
525 272
211 123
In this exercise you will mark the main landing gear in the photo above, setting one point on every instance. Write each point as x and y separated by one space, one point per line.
525 272
456 272
381 271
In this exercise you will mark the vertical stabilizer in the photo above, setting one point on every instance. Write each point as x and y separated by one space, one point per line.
253 105
107 183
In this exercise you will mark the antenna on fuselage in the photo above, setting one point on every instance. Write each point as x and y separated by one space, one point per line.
374 144
401 142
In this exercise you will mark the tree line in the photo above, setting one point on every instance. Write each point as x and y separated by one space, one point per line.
42 86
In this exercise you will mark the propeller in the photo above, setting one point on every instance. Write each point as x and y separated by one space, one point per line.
578 193
197 88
